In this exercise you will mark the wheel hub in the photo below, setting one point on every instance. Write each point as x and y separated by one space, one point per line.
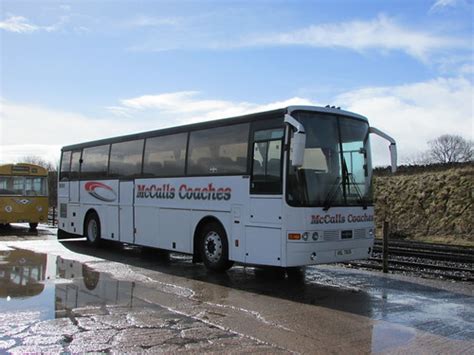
213 247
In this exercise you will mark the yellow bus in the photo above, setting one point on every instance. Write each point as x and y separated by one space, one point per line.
23 194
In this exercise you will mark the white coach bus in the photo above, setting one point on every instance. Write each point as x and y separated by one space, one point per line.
289 187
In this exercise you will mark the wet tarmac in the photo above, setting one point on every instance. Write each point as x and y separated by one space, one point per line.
66 296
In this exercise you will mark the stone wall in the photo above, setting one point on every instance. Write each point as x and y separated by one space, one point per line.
434 205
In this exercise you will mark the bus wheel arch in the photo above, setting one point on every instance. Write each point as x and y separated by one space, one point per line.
211 233
92 227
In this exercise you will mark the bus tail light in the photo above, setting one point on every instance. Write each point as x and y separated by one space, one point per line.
294 236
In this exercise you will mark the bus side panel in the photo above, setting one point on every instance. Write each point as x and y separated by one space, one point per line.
146 224
263 245
74 191
168 210
174 230
263 230
63 199
236 234
74 221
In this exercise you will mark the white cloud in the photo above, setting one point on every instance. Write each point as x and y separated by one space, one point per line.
412 113
381 33
34 130
415 113
187 106
439 4
20 24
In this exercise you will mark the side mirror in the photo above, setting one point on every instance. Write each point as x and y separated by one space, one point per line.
393 157
392 147
298 144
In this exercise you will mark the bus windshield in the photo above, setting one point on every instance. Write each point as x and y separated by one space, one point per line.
336 165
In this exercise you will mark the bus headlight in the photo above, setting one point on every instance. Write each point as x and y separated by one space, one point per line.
39 209
305 236
8 208
315 236
371 232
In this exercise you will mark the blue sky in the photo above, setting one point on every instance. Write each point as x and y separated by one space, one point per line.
72 71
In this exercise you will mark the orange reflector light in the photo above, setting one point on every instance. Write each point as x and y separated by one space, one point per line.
294 236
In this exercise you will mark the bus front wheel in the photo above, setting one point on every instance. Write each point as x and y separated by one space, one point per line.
92 229
214 248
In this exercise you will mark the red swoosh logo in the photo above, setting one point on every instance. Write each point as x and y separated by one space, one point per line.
91 187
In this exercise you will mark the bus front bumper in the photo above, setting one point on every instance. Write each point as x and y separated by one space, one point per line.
312 253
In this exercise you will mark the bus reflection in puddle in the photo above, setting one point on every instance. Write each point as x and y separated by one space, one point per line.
55 286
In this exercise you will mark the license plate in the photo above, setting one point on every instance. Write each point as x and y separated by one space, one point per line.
343 252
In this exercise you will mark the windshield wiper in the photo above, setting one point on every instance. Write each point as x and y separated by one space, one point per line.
332 194
346 181
349 178
361 198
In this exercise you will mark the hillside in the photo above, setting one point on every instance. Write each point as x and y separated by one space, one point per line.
427 203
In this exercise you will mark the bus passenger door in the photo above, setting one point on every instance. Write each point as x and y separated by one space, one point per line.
126 215
263 230
74 184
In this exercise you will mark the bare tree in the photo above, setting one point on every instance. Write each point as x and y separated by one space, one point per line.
450 148
34 159
422 158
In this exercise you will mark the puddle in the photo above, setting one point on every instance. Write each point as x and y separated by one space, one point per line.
50 284
388 336
51 304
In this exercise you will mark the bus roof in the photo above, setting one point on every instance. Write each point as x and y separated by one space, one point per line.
215 123
23 169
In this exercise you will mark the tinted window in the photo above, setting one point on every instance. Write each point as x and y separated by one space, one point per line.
165 155
11 185
266 165
95 161
216 151
35 186
65 165
126 159
75 164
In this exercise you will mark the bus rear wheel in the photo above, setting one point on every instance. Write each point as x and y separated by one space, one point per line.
214 248
92 229
33 226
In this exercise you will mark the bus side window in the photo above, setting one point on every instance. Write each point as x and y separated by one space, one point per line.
75 164
94 162
126 159
266 164
65 166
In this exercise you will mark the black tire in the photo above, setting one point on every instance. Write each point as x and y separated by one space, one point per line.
90 277
214 247
33 226
92 229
